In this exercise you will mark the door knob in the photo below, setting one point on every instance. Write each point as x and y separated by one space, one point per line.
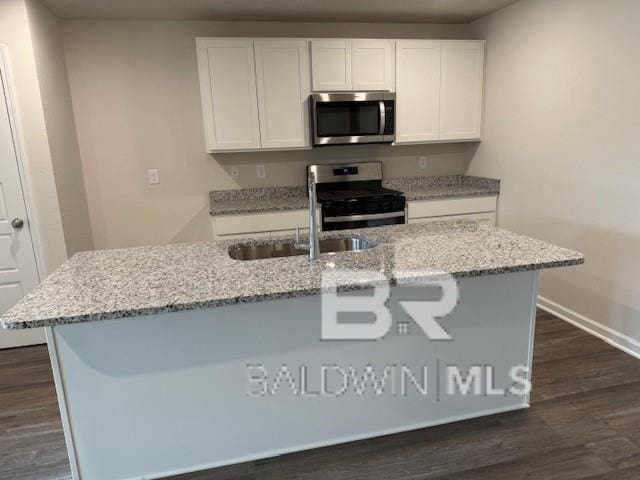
17 223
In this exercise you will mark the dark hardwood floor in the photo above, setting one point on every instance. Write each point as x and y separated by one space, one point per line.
584 423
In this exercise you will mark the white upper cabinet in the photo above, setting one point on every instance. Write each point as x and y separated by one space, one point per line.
352 65
417 90
282 74
461 89
373 65
255 91
331 61
228 89
439 86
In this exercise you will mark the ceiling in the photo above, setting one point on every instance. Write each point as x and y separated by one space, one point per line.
403 11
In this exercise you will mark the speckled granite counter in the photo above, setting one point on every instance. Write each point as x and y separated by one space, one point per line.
118 283
450 186
256 200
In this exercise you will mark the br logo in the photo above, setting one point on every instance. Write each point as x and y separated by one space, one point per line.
422 312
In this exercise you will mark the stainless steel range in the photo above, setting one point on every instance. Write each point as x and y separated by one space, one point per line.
351 196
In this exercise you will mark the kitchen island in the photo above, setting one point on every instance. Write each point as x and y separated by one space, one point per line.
177 358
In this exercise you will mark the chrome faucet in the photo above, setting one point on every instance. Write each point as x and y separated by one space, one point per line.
314 244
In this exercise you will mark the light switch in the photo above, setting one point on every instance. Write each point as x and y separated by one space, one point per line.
234 173
422 162
261 171
153 175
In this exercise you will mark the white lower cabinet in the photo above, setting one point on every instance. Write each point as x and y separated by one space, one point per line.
288 233
259 224
489 217
452 206
482 209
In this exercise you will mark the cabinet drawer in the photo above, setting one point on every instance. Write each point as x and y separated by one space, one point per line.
455 206
242 236
257 223
289 232
489 217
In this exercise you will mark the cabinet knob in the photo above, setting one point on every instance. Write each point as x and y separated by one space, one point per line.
17 223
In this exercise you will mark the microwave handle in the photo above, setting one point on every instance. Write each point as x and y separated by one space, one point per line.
383 117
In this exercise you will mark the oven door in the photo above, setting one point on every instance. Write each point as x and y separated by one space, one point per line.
362 117
363 221
362 214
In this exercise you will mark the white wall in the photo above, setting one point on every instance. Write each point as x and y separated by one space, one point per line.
562 120
61 129
137 106
15 33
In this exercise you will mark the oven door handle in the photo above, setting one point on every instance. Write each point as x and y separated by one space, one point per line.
383 117
370 216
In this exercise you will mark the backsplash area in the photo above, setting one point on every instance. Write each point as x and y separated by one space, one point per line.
268 169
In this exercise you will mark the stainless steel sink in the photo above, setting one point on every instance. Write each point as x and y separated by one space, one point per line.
288 249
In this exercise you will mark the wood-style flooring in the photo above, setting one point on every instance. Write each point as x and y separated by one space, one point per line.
584 423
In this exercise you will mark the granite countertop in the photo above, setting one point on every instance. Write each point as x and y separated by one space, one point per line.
274 199
257 200
109 284
450 186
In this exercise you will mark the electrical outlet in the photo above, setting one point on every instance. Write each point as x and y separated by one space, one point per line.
422 162
261 171
234 173
153 175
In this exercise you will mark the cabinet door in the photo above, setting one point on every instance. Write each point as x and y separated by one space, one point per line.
489 217
331 65
282 75
461 89
373 64
258 223
228 88
451 206
417 90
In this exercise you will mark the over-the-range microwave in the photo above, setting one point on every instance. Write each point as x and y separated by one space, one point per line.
352 117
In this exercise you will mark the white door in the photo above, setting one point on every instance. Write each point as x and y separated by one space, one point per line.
373 65
18 270
331 65
228 87
282 77
417 90
461 89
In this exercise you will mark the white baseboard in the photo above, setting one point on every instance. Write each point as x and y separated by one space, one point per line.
21 338
614 338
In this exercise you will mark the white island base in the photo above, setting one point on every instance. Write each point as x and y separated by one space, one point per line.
158 395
